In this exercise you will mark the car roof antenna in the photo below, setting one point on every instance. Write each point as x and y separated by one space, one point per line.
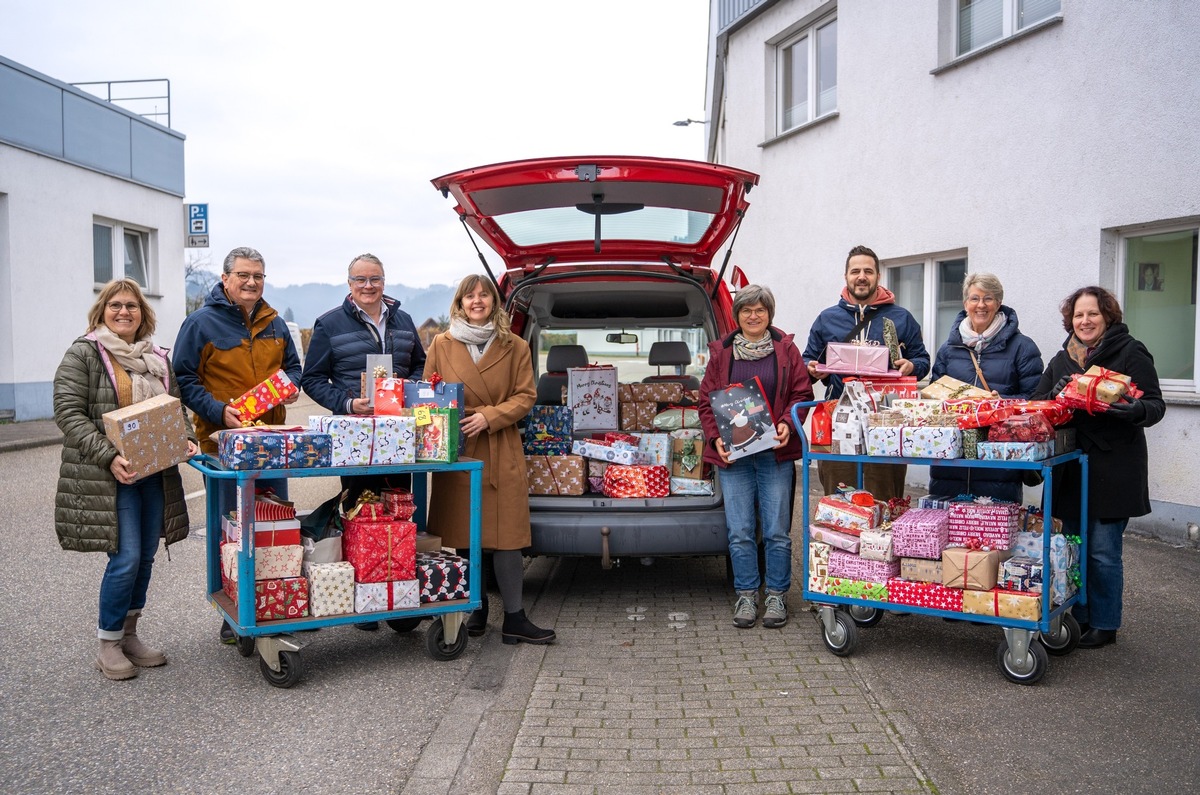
463 218
728 252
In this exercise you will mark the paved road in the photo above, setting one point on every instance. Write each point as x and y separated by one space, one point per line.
674 701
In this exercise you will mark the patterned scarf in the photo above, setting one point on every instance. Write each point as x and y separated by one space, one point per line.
746 350
477 338
145 367
980 341
1078 351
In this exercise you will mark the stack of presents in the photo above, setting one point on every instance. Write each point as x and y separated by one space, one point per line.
415 422
620 440
379 561
964 555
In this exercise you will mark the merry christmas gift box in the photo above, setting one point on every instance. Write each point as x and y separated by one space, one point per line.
818 565
1006 604
330 588
556 475
931 442
971 569
622 482
263 397
884 440
549 422
856 589
655 448
993 523
1015 451
442 577
834 538
932 595
1020 574
660 392
838 513
691 488
439 394
269 562
592 398
921 570
1064 562
374 597
876 545
854 567
252 449
921 533
616 453
380 551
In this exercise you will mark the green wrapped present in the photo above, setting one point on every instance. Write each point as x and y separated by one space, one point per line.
970 438
856 589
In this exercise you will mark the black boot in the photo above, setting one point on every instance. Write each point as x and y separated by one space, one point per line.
519 629
477 621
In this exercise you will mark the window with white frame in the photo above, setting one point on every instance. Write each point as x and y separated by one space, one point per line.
120 251
1159 301
981 22
806 75
931 289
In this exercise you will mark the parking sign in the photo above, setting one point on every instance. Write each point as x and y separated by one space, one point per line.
197 219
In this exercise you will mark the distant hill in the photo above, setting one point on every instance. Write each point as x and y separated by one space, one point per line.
310 301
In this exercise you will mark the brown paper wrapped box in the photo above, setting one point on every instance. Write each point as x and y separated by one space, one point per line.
682 447
637 416
1006 604
971 569
921 570
1110 386
151 434
660 392
947 388
555 474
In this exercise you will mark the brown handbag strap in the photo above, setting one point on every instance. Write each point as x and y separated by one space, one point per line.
978 372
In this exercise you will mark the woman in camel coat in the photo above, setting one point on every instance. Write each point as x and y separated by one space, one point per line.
496 371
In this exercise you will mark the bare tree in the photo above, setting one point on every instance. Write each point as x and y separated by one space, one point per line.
198 279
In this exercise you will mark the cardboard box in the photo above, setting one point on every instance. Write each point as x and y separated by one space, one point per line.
428 542
971 569
687 458
921 570
151 434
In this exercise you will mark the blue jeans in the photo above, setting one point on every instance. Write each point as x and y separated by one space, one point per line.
127 576
1105 572
759 478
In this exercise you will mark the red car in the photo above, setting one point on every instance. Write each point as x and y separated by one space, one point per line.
610 260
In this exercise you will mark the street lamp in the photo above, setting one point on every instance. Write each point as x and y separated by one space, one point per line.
686 122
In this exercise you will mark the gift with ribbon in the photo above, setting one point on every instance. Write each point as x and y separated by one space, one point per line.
1006 604
992 522
948 388
380 549
374 597
624 482
833 538
686 461
971 567
433 392
389 395
265 396
860 357
921 533
838 512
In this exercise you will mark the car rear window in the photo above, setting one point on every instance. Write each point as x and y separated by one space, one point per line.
631 360
567 224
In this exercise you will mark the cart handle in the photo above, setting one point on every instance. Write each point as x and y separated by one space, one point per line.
798 424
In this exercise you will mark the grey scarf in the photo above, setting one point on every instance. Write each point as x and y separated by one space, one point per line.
746 350
145 367
477 338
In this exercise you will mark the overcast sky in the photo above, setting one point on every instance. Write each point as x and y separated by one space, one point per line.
313 129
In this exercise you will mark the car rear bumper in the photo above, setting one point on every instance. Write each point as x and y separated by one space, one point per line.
640 534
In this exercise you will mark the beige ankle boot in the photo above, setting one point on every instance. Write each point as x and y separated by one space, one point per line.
113 663
137 652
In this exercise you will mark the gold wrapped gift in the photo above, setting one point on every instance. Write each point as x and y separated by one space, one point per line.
1109 387
947 388
1006 604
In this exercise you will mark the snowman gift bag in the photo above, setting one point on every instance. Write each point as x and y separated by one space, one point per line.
744 418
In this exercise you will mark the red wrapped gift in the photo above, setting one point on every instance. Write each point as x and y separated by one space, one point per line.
284 533
894 384
622 481
264 397
275 599
1097 388
398 503
389 396
615 436
1022 428
380 551
925 594
981 413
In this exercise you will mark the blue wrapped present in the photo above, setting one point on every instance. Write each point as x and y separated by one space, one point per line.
308 450
1021 574
549 421
252 449
547 446
442 395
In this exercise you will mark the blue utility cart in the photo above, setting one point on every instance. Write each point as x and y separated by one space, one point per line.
1022 653
278 649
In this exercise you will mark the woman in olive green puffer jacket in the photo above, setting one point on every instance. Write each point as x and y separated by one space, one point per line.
100 505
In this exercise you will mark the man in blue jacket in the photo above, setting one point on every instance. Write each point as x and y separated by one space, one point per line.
860 314
367 322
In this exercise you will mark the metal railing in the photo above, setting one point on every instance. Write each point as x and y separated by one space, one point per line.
141 105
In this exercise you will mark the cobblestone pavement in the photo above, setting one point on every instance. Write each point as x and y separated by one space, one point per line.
652 689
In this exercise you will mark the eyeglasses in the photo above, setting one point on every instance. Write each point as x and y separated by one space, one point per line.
117 306
250 277
359 281
748 312
986 300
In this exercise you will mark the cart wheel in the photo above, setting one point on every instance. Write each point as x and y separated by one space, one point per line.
844 637
435 641
245 645
404 624
289 669
865 616
1067 639
1036 663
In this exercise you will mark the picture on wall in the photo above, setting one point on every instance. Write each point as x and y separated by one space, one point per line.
1150 277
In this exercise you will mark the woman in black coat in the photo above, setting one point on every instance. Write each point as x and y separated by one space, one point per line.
1115 442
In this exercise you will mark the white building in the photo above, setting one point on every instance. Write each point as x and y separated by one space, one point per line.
88 192
1055 144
